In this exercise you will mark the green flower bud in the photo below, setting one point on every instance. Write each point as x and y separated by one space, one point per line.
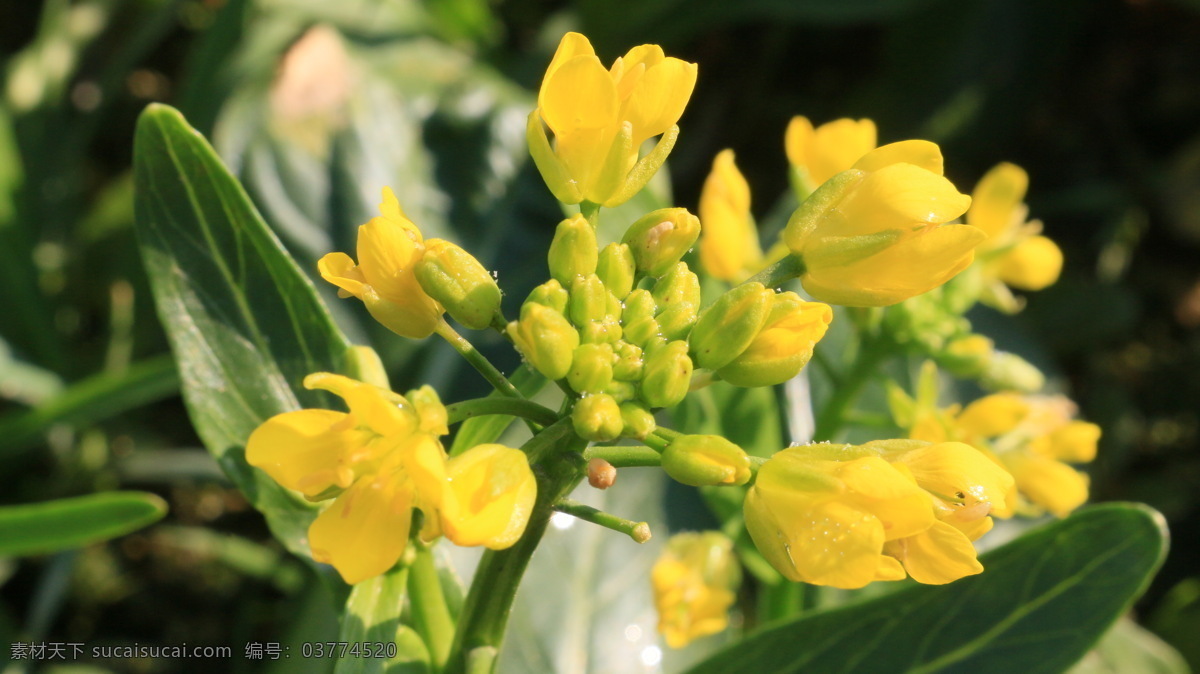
613 307
679 284
639 304
589 300
784 344
597 418
550 294
629 362
605 331
659 238
452 276
642 332
967 356
591 368
676 321
621 390
616 268
546 339
573 251
639 422
667 375
1008 371
703 460
726 328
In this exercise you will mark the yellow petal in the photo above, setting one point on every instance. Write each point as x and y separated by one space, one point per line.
571 45
579 94
938 556
390 208
959 473
364 532
897 196
384 412
1032 264
340 270
890 568
997 199
797 139
888 494
490 496
423 460
830 148
729 240
658 99
387 254
627 70
306 450
1050 484
993 415
921 153
1075 443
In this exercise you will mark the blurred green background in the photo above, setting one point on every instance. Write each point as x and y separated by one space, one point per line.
317 105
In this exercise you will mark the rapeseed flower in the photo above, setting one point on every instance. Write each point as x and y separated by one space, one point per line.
818 154
694 582
729 247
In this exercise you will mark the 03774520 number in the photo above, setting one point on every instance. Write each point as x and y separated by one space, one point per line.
345 649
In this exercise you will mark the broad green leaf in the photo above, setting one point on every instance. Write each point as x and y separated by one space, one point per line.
244 323
91 400
373 617
1130 648
1040 604
39 528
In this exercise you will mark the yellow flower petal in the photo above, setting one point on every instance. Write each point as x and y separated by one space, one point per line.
997 199
830 148
306 450
571 45
992 415
1075 442
658 99
921 153
490 494
364 532
728 238
959 473
340 270
897 196
1033 264
940 555
579 94
1050 484
382 411
888 494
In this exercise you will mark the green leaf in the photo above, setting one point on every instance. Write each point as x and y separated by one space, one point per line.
1130 648
1041 603
373 617
244 323
39 528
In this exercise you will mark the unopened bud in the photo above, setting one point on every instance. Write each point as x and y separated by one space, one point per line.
597 418
591 368
616 268
676 321
703 460
639 422
629 362
642 332
679 284
659 238
546 339
601 474
452 276
967 356
621 391
783 345
726 328
667 375
605 331
639 304
1008 371
589 299
573 251
550 294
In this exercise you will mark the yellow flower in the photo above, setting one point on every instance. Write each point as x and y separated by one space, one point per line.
877 234
694 582
845 516
600 118
381 461
389 248
821 153
1033 437
1015 254
783 345
729 244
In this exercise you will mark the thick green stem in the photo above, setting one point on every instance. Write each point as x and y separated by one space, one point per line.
636 456
775 275
477 360
834 412
781 600
556 461
479 407
638 531
431 616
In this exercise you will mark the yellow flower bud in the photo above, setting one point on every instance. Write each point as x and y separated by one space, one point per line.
573 251
621 391
597 417
643 332
1050 484
1074 442
703 460
993 415
729 240
550 294
638 420
455 278
667 375
600 118
589 300
695 582
968 356
389 248
628 366
821 153
727 327
783 345
489 496
546 339
678 284
659 238
604 331
676 321
997 203
1032 264
591 368
639 305
874 235
616 268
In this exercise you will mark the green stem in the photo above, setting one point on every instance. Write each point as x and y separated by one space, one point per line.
431 616
590 210
834 412
638 531
786 269
477 360
635 456
479 407
782 600
554 456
